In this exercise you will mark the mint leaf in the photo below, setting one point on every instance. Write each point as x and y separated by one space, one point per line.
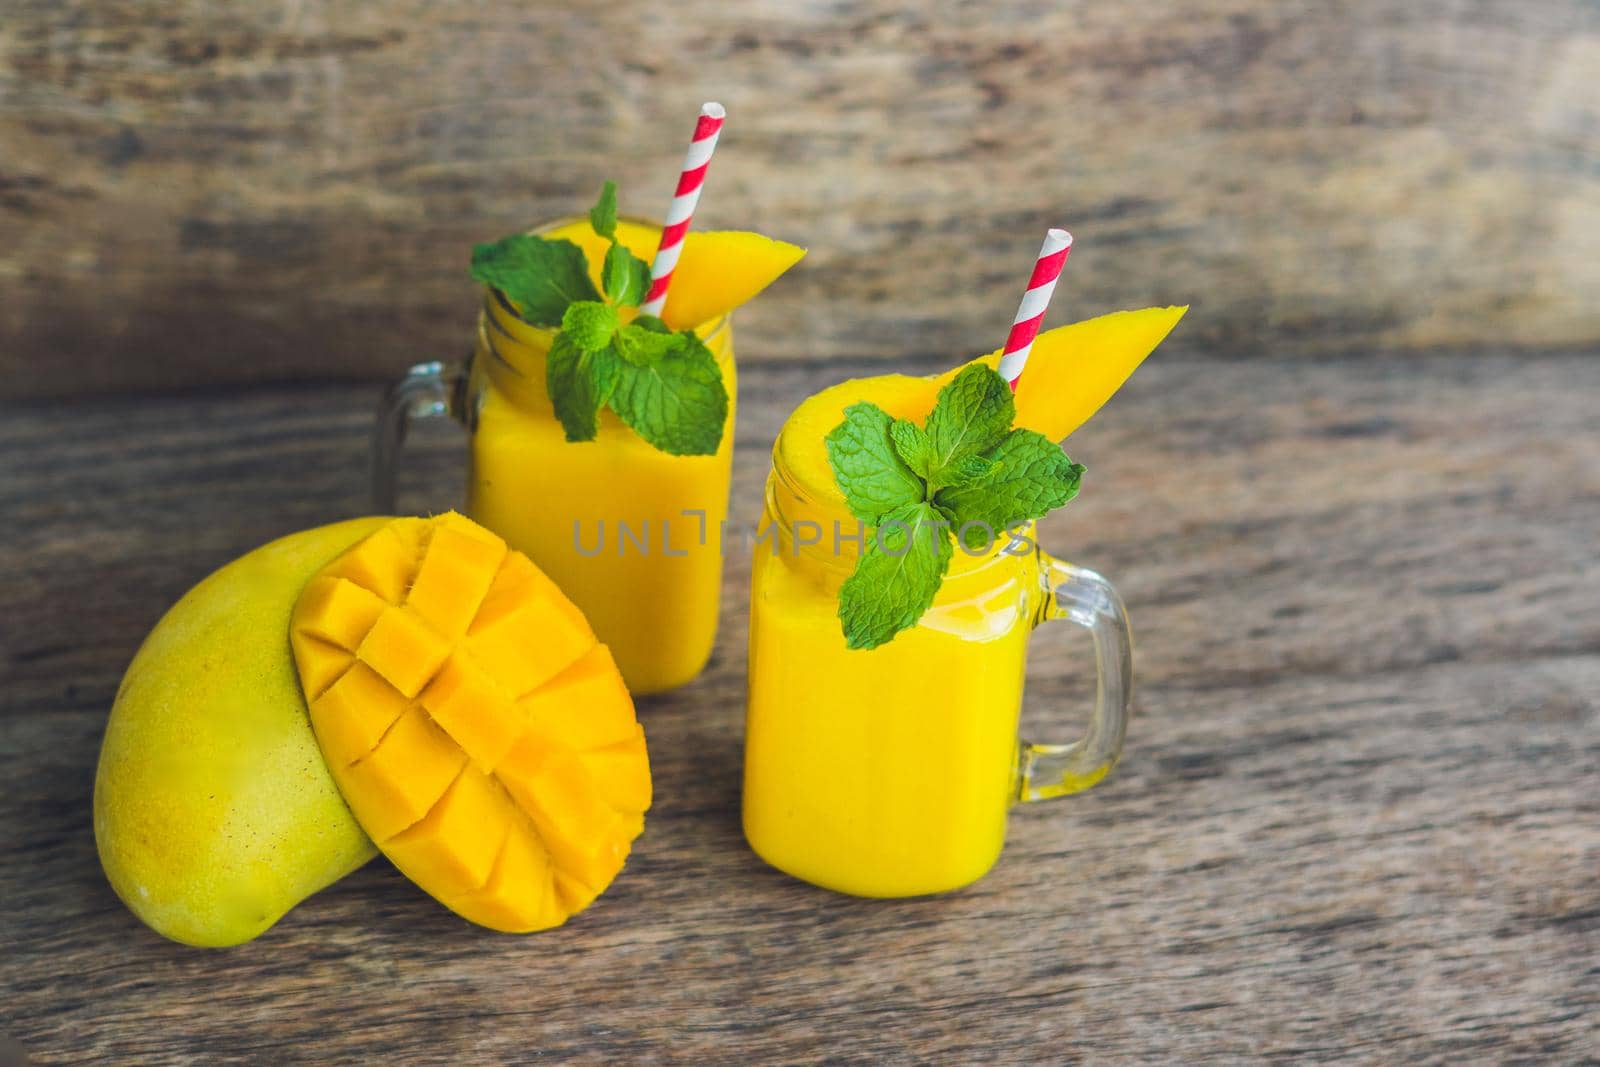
590 324
625 276
972 414
641 346
538 275
651 323
676 400
572 389
603 216
896 577
579 384
911 444
1028 476
965 469
873 477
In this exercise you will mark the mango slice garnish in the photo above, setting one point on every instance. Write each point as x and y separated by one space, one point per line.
717 269
1074 369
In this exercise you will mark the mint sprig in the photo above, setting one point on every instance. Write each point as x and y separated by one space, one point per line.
965 474
666 386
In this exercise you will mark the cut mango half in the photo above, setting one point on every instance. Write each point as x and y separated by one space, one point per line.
479 731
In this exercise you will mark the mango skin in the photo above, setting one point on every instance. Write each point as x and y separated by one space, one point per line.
214 812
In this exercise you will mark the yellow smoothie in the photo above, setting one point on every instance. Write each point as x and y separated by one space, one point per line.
631 534
886 772
889 772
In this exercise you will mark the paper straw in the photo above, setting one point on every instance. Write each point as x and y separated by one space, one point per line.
683 203
1030 313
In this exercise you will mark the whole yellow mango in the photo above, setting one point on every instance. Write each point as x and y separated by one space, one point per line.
214 812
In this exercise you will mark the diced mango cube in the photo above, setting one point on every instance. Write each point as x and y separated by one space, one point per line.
473 709
337 610
398 782
354 713
622 773
575 894
520 895
318 663
587 704
528 647
460 839
454 520
385 562
404 649
455 575
520 583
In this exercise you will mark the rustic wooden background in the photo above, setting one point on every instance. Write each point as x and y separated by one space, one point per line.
242 191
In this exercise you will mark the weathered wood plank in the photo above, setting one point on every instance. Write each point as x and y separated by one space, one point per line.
1356 821
266 192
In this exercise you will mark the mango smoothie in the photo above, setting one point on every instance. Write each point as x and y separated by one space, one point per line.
630 533
885 772
887 769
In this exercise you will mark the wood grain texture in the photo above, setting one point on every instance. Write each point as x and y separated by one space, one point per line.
244 191
1356 821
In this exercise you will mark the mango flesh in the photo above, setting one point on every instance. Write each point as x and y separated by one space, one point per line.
716 272
214 813
480 732
1071 372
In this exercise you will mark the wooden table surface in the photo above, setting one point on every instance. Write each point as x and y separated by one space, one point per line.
1357 819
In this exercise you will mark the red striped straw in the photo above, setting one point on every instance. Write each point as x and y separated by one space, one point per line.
690 181
1030 313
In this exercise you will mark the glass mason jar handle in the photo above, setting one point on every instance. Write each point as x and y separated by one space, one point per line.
428 391
1083 597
